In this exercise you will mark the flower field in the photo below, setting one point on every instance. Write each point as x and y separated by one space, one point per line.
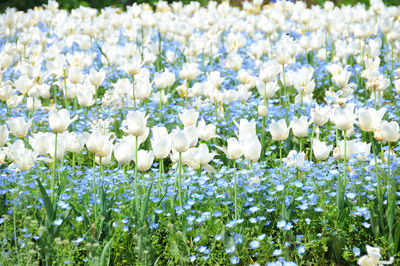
189 135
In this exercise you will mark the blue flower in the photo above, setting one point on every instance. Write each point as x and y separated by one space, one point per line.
196 239
235 260
281 224
192 258
230 249
254 244
356 251
277 252
58 222
301 250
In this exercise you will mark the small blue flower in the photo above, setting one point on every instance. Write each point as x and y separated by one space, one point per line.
230 249
277 252
204 250
261 237
301 250
254 244
238 239
218 237
356 251
79 219
79 240
196 239
235 260
125 229
192 258
58 222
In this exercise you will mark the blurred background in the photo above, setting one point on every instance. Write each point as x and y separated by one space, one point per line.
70 4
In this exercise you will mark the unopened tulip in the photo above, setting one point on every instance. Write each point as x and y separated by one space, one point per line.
97 77
279 130
343 118
233 150
60 120
300 126
135 123
206 132
145 160
363 150
3 135
40 142
294 159
180 141
320 115
370 119
251 149
390 131
189 117
321 150
351 149
18 126
124 152
75 142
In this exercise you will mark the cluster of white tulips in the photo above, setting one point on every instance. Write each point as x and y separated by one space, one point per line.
192 87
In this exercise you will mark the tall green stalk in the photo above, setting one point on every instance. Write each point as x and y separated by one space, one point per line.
180 180
53 177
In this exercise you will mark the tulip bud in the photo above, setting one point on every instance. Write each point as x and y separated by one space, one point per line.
60 120
234 150
3 135
180 141
279 130
75 75
145 160
262 110
136 123
321 150
189 117
390 131
97 77
18 126
300 126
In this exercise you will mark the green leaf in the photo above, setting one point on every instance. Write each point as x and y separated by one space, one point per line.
143 209
104 259
48 205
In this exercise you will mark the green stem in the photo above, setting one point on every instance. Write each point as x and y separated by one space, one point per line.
312 142
133 91
15 236
94 189
285 94
234 177
161 168
180 180
53 178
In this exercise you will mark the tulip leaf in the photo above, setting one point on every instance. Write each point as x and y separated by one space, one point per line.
143 209
47 202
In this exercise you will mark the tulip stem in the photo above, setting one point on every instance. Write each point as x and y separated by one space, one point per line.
345 155
235 180
388 161
136 165
285 94
53 178
161 167
180 179
133 91
312 141
263 138
94 188
280 156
